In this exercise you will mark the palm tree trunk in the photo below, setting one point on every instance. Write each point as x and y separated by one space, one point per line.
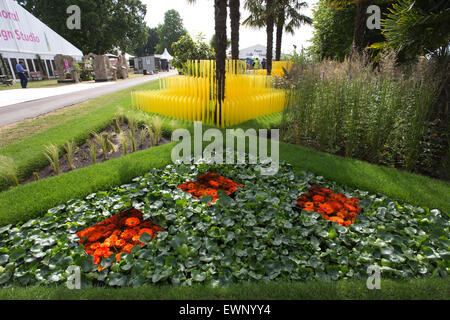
269 24
220 9
279 41
360 26
235 17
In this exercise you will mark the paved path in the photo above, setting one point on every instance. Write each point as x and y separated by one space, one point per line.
20 104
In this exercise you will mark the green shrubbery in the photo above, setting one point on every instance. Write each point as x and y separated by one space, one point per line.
382 116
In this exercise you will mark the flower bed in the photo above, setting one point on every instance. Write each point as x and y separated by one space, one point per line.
334 207
254 236
116 235
210 184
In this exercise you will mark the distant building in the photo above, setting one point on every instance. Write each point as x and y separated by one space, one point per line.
258 51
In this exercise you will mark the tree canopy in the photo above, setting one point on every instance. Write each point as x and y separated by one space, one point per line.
187 49
149 48
170 31
105 25
334 27
417 27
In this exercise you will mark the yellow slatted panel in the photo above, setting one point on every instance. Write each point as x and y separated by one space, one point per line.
192 96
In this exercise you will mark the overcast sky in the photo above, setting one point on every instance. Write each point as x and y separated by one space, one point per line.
200 18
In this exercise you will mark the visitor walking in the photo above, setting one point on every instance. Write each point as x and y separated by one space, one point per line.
21 71
256 64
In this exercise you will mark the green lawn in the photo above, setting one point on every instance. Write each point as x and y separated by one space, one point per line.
423 289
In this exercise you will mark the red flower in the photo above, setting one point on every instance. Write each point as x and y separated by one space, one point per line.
132 222
334 207
318 198
118 233
209 184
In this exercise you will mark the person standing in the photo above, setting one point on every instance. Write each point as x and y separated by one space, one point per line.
21 71
256 64
264 63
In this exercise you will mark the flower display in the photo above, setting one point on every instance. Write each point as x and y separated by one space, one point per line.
209 184
115 235
334 207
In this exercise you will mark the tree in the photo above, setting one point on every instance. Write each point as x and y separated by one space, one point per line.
333 34
417 27
150 46
220 18
235 17
360 26
334 30
212 42
187 49
262 15
105 25
220 13
288 19
270 21
170 31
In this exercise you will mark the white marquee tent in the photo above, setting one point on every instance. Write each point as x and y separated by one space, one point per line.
23 36
165 56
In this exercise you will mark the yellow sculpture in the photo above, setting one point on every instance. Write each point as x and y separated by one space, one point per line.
193 96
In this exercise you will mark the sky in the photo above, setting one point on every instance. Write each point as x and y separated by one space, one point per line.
199 17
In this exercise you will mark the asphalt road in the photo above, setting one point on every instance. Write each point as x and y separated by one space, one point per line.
31 109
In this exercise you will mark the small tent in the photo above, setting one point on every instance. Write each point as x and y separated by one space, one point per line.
165 56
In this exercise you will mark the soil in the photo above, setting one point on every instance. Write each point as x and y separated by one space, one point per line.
82 158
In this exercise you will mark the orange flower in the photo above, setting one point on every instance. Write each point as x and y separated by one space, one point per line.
318 198
309 205
116 231
120 243
94 237
132 222
214 183
327 208
128 234
128 248
334 207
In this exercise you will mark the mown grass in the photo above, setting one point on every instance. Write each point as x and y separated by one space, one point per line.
421 289
28 154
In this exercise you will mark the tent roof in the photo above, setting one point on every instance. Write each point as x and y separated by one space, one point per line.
166 55
27 34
